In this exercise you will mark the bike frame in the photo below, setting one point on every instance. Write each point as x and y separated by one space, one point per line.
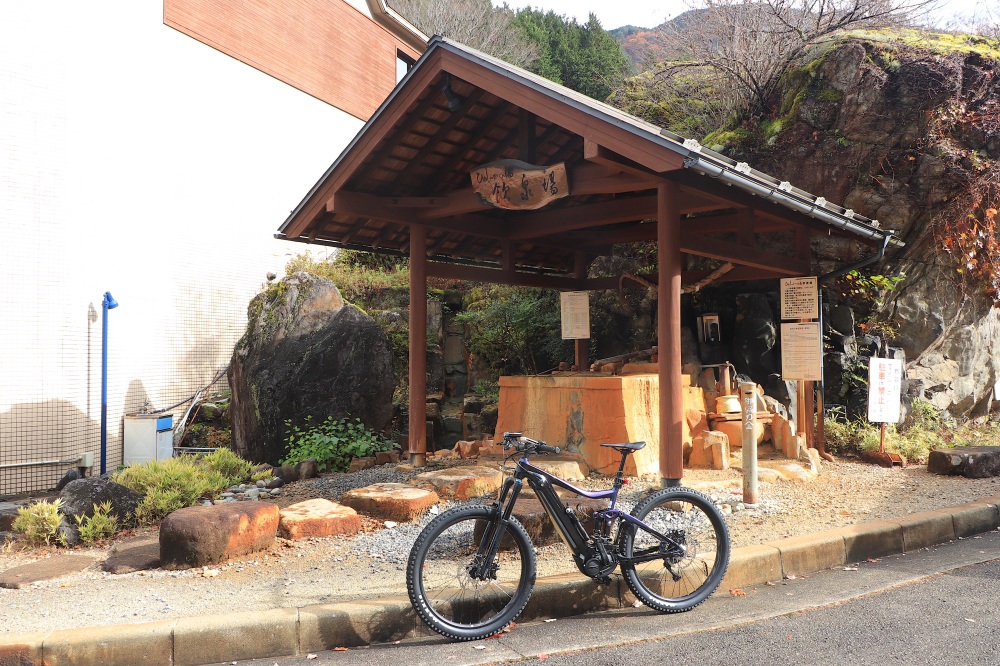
584 547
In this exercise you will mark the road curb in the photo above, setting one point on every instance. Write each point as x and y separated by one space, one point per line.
293 631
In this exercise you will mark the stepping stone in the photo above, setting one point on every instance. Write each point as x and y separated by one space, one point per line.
138 554
461 482
47 569
391 501
973 462
198 536
317 518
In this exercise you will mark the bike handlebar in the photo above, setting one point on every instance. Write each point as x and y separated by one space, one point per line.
527 445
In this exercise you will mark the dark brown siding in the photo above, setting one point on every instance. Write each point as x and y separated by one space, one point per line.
325 48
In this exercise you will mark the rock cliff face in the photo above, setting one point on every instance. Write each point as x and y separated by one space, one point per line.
901 135
306 353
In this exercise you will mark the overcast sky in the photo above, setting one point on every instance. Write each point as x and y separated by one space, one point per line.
650 13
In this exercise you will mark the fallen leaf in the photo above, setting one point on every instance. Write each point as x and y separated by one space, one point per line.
636 603
478 647
769 583
341 649
969 619
873 560
789 576
736 592
543 657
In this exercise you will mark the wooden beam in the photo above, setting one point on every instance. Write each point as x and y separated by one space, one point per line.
526 136
499 276
714 248
548 222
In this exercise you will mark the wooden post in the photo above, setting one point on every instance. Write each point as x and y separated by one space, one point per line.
668 330
581 347
418 346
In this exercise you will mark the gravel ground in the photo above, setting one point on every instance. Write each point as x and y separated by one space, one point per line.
371 564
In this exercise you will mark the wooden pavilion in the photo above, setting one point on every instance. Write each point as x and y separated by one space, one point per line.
404 186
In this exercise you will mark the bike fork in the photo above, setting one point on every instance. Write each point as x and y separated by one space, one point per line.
483 566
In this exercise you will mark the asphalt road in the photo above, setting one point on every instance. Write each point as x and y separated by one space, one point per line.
936 606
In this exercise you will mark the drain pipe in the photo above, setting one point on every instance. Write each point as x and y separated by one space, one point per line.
109 303
829 277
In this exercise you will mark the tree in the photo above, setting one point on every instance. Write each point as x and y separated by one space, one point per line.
585 57
742 50
475 23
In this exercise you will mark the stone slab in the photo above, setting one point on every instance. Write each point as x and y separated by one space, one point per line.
139 554
391 501
56 566
202 535
973 462
8 514
317 518
461 482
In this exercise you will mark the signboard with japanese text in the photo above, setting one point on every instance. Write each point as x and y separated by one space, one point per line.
802 352
799 298
516 185
885 384
575 306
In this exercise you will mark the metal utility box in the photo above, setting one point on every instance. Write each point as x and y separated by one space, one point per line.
147 437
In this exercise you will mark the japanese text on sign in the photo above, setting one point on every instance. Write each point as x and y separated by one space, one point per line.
885 383
516 185
799 298
575 306
801 352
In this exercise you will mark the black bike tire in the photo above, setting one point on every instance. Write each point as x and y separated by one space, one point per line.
415 564
714 578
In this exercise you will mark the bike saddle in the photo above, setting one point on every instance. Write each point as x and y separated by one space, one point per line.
631 446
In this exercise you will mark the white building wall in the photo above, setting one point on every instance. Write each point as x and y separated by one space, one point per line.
134 160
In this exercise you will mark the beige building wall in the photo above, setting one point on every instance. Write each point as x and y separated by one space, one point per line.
134 160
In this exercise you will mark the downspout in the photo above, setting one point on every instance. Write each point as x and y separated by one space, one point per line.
109 303
829 277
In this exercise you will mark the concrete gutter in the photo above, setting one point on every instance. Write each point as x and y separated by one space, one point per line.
295 631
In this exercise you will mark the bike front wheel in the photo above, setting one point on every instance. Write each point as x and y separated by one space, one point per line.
440 581
678 573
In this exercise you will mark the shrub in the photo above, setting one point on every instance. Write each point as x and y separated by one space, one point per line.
39 522
229 465
332 443
99 526
174 483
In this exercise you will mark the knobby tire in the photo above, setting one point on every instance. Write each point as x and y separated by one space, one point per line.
446 597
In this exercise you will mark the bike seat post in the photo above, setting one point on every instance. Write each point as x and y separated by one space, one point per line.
620 476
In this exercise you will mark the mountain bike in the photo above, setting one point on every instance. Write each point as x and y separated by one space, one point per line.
472 569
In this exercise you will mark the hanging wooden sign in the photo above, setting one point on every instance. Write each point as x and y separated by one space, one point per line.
516 185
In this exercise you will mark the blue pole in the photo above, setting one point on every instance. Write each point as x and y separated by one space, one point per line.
109 304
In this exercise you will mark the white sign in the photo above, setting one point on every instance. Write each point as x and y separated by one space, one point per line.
885 384
802 352
800 298
575 306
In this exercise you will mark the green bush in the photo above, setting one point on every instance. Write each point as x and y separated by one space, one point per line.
229 465
174 483
99 526
39 523
332 443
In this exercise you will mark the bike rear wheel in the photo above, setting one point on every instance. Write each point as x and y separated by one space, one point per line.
682 572
438 574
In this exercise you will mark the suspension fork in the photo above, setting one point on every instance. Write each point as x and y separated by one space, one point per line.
481 567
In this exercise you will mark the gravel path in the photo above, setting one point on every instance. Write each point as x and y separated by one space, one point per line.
372 563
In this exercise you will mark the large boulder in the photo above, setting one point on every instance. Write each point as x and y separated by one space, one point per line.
306 353
201 535
80 496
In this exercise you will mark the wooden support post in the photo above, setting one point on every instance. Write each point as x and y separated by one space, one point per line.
581 347
668 330
418 346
